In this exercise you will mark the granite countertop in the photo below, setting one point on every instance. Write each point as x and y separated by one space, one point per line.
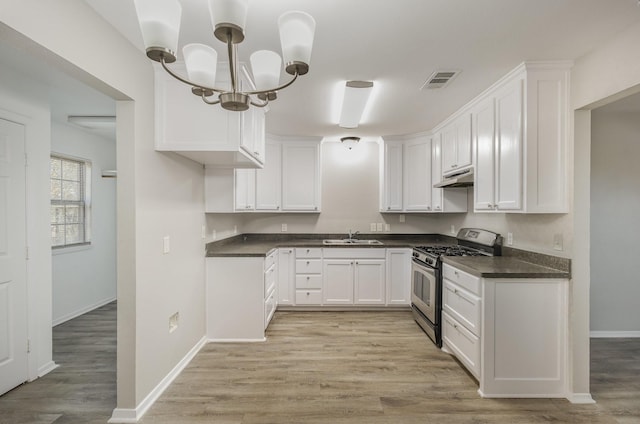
262 244
503 267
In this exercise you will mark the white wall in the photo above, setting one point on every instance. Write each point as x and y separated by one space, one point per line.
615 228
157 194
85 277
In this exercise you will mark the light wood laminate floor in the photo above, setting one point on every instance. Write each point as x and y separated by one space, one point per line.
324 367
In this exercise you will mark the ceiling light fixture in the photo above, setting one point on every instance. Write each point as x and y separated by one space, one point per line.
160 25
350 142
356 95
93 122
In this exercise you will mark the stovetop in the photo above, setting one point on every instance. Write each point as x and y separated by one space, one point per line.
452 250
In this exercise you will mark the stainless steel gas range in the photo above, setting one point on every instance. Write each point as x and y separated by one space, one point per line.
426 274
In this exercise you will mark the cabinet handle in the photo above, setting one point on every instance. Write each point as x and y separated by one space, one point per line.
308 250
308 293
388 208
308 278
456 273
437 208
278 207
316 208
307 262
356 263
455 326
428 208
455 291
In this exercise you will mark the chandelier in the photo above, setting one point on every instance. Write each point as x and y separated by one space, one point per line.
160 26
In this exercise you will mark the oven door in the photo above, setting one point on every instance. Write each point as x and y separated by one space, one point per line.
423 290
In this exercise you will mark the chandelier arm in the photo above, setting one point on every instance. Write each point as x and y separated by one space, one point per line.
283 86
266 102
209 102
186 81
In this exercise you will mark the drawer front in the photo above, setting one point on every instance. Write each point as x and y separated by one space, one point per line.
269 309
462 305
309 252
308 281
354 253
464 344
271 259
308 266
269 281
308 297
465 280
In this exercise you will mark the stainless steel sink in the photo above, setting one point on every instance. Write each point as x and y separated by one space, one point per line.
350 242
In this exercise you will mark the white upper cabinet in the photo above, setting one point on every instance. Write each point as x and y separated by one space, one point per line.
301 176
245 189
520 139
456 145
417 165
391 192
206 133
268 179
409 167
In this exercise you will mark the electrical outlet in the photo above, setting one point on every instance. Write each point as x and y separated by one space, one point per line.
510 239
453 229
379 227
173 322
372 227
401 218
387 227
284 228
166 247
213 234
557 242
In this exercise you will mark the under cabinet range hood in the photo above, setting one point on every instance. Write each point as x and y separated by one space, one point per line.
464 178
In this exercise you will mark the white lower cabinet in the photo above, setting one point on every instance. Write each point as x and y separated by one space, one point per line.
338 282
398 268
354 276
511 334
286 276
240 296
308 277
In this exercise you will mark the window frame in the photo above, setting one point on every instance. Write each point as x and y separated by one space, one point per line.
85 203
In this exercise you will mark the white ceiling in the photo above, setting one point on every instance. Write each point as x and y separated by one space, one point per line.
398 44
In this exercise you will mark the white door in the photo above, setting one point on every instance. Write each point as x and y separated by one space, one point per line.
484 183
418 175
369 282
268 180
509 127
245 190
301 176
393 177
13 284
338 282
436 172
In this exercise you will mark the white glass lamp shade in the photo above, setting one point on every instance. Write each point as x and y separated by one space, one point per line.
296 36
232 12
266 66
159 23
201 61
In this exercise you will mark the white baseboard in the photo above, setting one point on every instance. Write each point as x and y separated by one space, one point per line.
81 311
264 339
614 334
124 415
47 368
581 398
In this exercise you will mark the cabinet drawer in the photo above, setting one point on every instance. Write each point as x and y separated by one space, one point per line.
353 253
269 309
461 278
308 266
308 281
269 281
464 344
270 259
462 305
309 252
308 297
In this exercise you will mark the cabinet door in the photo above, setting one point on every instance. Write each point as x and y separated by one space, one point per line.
418 175
436 173
509 113
463 141
369 282
301 176
286 276
484 134
449 159
268 180
338 282
245 189
398 269
393 164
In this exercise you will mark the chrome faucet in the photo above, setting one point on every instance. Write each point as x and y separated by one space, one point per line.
352 236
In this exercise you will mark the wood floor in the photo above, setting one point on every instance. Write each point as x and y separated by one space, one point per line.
324 367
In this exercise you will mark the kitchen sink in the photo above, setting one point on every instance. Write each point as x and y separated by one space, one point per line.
350 242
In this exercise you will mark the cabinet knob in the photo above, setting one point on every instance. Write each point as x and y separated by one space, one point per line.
455 273
356 262
278 207
256 153
308 250
428 208
308 293
437 208
455 291
388 208
308 278
315 208
307 262
455 326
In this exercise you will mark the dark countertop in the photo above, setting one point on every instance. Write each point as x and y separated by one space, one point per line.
262 244
503 267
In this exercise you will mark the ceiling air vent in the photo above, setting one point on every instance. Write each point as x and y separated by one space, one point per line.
439 79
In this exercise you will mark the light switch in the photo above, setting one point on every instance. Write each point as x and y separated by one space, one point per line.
373 227
284 228
509 239
379 227
165 245
401 218
387 227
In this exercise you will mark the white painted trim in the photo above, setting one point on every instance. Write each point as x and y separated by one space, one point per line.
82 311
614 334
581 398
123 415
263 339
47 368
523 395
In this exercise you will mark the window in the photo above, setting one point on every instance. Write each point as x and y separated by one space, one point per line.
70 201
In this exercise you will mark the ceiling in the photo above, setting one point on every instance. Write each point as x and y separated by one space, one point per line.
397 44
